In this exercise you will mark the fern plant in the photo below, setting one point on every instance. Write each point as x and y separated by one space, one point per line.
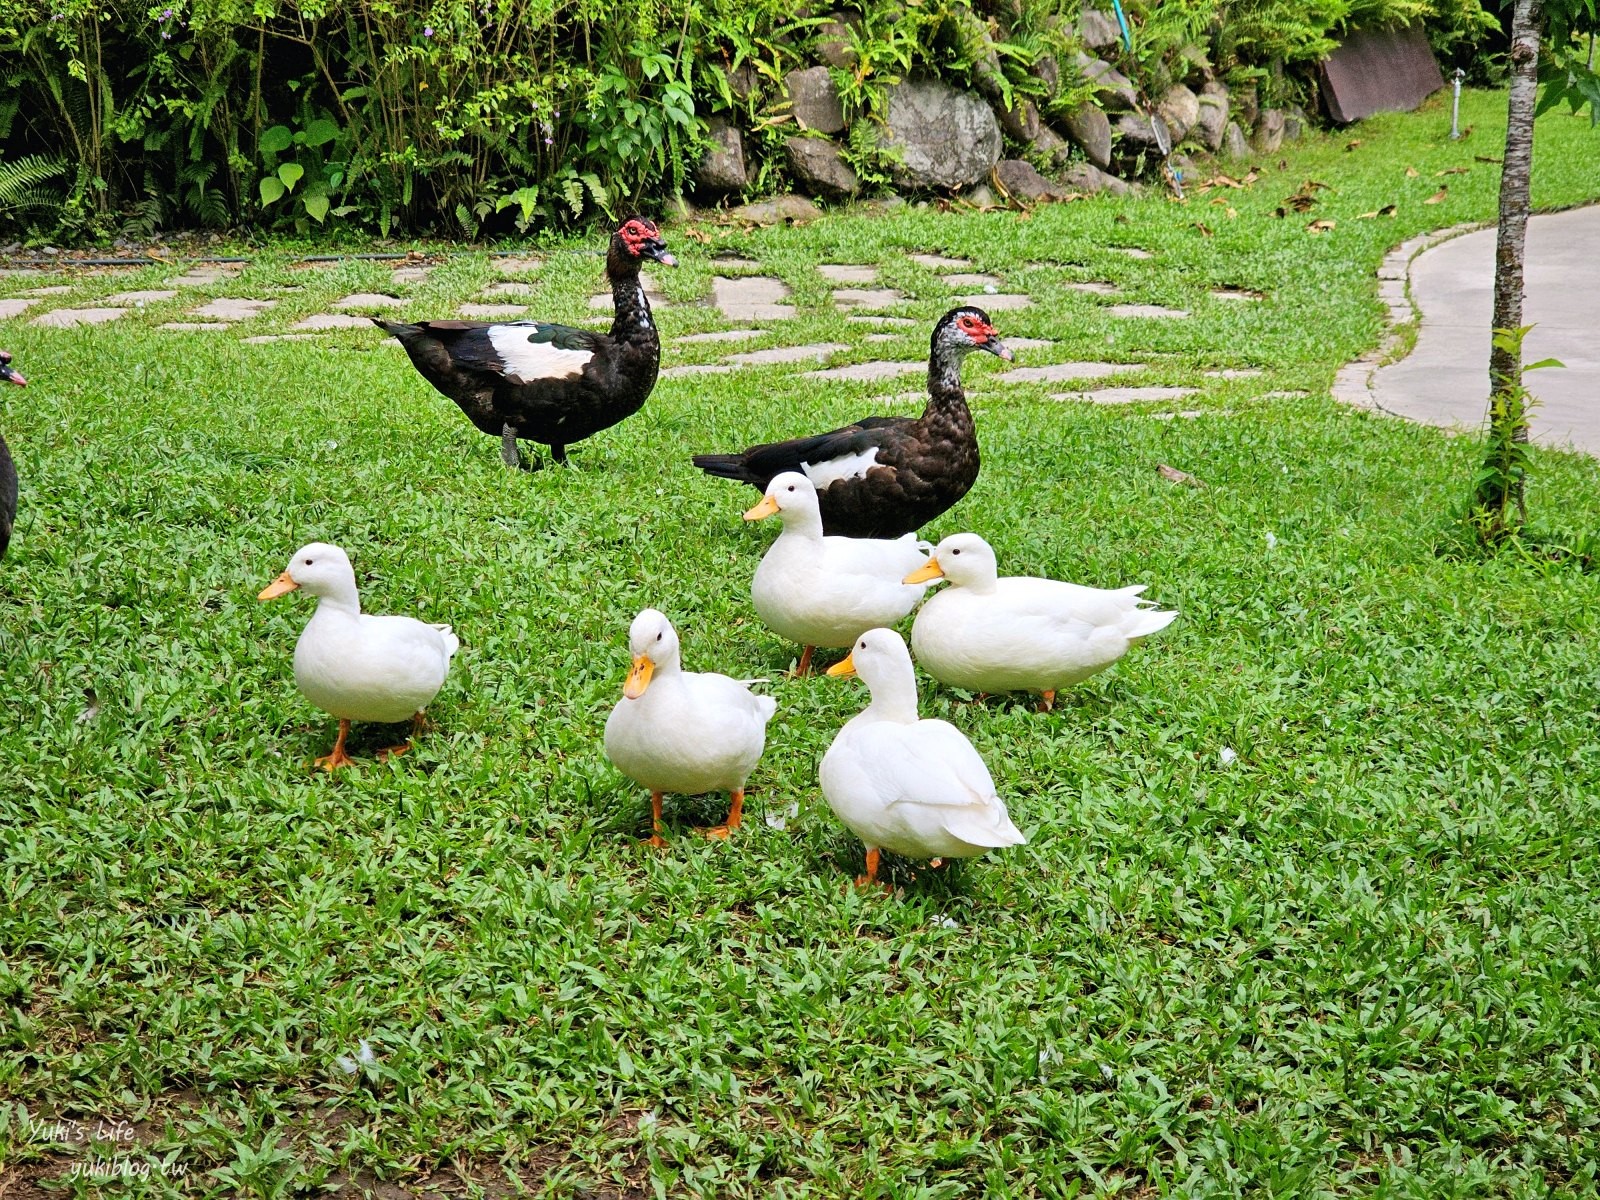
23 185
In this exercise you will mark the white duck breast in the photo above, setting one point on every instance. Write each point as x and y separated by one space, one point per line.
371 668
824 591
526 359
1019 633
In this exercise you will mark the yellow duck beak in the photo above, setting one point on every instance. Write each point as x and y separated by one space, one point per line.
928 570
844 669
766 508
281 586
639 677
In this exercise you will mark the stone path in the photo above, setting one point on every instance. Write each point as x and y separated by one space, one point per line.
1445 379
759 303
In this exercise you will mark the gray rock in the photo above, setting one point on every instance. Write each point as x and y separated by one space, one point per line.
1139 132
1097 30
1052 148
1213 119
1048 72
1215 87
1022 182
744 81
1180 109
1269 131
1021 122
814 100
1091 129
1086 177
776 211
1246 104
722 169
1233 143
946 139
818 166
981 196
833 41
973 43
1114 88
1295 123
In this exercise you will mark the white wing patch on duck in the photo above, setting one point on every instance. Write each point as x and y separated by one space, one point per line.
526 360
852 466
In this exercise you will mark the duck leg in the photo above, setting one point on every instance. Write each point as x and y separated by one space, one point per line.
871 877
1047 701
735 815
336 757
655 839
804 667
558 453
418 722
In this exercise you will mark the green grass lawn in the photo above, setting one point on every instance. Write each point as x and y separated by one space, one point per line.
1360 959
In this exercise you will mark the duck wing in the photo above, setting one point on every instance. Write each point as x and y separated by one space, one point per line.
932 766
518 352
824 457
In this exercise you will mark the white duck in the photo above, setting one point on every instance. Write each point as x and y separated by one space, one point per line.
1020 633
825 591
683 731
358 667
916 787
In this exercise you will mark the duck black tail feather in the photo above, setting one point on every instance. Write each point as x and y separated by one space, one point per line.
726 466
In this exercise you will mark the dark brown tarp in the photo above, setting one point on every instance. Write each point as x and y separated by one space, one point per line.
1379 70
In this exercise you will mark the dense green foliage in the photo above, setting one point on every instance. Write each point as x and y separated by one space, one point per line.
1361 959
492 116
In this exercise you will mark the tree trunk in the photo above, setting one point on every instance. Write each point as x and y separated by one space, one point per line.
1502 490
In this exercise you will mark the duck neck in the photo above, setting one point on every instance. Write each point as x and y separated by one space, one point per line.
342 601
894 698
803 523
947 403
633 321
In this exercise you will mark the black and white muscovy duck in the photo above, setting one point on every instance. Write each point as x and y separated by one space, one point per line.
886 476
8 469
543 382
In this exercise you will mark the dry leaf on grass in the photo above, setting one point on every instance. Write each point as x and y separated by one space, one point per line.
1173 475
1411 172
1321 226
1204 228
1451 171
1349 146
1438 196
1388 210
1487 158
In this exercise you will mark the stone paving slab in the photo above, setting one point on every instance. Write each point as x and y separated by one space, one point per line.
883 320
66 318
870 370
848 298
973 280
402 276
1095 287
1027 343
939 262
518 264
369 300
264 338
497 312
60 289
719 335
333 321
194 326
1233 373
733 262
202 277
137 299
1146 310
816 352
14 308
884 337
848 273
698 369
1126 395
1131 251
230 309
751 298
1002 302
1063 372
1236 294
509 288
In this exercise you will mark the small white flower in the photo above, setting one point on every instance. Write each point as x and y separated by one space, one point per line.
1272 541
944 922
1228 755
648 1121
989 289
1105 1070
1285 468
780 820
364 1057
1046 1057
333 445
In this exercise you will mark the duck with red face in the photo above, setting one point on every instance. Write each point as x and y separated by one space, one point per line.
884 477
8 469
542 382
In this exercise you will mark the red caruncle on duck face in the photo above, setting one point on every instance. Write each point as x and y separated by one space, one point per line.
642 239
979 331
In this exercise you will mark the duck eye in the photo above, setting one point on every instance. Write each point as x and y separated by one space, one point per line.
308 562
659 636
791 487
955 552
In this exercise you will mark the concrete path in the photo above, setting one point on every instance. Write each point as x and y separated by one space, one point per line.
1445 380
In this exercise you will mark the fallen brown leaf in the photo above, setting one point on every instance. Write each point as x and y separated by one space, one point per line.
1349 146
1487 158
1321 226
1204 228
1232 212
1173 475
1411 172
1466 133
1451 171
1439 196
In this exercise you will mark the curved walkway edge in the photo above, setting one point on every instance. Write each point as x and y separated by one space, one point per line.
1444 381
